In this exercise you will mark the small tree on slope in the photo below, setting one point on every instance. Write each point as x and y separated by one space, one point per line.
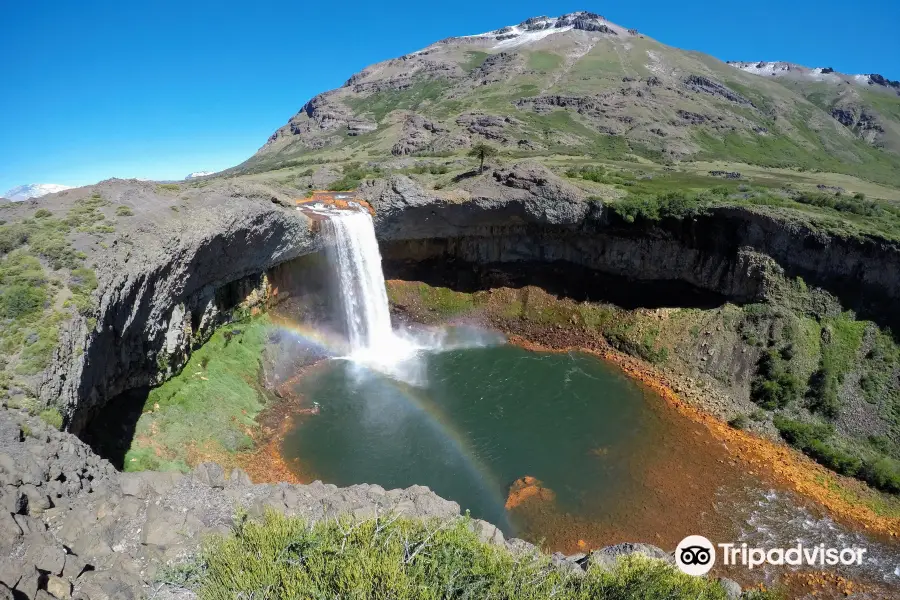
482 151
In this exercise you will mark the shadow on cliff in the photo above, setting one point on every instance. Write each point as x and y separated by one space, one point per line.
110 432
559 278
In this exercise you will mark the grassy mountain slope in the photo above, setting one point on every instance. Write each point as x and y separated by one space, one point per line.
598 90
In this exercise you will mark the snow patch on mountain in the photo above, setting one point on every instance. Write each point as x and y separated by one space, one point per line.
196 174
538 28
34 190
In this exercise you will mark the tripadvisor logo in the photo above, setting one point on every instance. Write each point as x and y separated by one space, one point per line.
696 555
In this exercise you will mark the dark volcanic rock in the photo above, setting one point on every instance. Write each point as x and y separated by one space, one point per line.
699 83
167 280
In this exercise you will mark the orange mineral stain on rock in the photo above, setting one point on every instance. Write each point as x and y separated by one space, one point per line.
526 489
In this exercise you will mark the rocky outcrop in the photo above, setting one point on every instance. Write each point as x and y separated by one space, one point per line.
73 526
165 283
698 83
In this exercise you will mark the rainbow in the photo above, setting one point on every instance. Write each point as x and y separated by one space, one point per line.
415 398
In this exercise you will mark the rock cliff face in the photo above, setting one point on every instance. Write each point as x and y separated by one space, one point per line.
166 283
525 214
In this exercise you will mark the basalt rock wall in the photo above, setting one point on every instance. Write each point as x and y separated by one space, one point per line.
164 285
169 280
524 214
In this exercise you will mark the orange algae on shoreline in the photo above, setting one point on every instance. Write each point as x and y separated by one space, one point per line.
781 463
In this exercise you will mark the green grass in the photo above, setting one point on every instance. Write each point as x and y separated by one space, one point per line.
818 441
52 417
444 301
841 341
401 559
544 61
474 59
212 403
82 283
352 175
380 104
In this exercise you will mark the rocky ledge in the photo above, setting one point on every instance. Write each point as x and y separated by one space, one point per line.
72 527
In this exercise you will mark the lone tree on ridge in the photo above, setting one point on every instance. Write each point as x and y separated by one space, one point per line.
482 151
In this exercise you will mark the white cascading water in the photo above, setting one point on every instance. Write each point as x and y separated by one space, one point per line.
372 342
356 260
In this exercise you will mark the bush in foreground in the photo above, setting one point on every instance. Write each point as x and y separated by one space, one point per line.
401 558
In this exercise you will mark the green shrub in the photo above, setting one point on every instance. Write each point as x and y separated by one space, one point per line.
42 213
758 415
20 300
800 434
739 422
822 396
774 386
881 472
668 205
123 211
409 559
52 417
11 237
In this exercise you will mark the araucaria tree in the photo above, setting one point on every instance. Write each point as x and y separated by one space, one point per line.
482 151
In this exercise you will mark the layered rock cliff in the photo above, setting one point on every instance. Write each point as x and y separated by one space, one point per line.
165 283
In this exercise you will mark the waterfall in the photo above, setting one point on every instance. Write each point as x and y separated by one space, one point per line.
356 261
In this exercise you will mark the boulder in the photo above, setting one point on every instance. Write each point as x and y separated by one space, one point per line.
732 588
209 474
59 588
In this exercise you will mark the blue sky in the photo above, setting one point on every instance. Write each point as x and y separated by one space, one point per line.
92 89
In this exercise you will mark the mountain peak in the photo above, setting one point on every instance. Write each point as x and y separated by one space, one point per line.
34 190
537 28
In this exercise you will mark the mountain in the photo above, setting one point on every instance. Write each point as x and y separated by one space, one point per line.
196 174
581 85
868 105
34 190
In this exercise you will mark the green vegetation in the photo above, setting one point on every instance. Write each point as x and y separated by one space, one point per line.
817 441
774 385
52 417
841 340
544 61
124 211
380 104
475 58
353 174
482 151
168 187
207 408
408 559
739 421
83 282
653 197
